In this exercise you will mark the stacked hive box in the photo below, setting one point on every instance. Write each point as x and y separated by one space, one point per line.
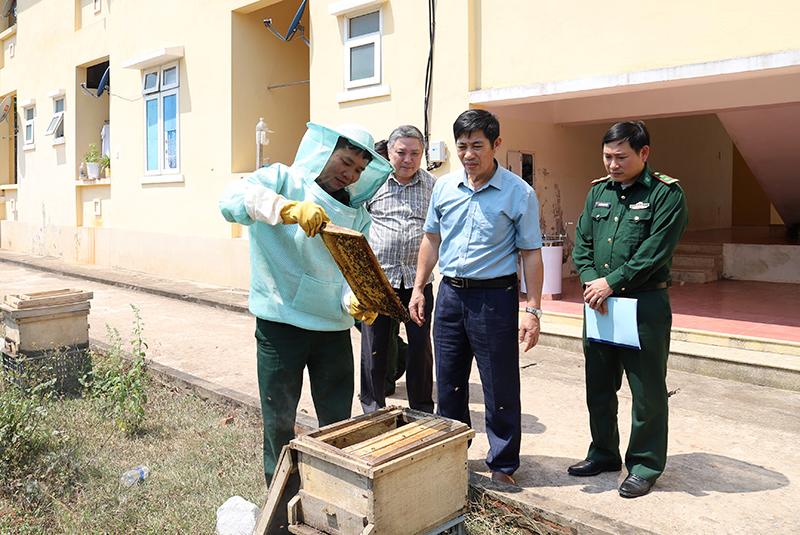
47 335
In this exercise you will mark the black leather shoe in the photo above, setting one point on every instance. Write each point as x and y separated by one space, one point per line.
592 468
635 486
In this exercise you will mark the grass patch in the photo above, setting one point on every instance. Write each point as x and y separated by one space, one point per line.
488 516
196 462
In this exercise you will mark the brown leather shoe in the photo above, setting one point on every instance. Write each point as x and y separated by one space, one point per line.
502 477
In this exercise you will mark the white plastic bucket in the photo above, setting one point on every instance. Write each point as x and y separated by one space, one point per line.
551 257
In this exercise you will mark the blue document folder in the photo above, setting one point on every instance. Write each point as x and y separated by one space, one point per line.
617 327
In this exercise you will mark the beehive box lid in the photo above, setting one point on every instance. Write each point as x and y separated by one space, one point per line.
65 296
381 441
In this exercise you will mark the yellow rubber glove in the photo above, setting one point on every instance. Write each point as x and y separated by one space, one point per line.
357 310
309 215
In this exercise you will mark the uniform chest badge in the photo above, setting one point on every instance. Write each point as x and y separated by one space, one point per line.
639 206
599 204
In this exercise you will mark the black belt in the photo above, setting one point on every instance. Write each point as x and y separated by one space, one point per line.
499 282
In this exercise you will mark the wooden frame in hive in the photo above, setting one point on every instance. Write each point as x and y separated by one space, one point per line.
361 270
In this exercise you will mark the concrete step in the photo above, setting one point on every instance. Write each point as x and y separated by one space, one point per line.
697 261
699 248
695 276
761 361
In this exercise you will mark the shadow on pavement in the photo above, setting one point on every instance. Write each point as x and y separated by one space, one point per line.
530 423
701 473
697 474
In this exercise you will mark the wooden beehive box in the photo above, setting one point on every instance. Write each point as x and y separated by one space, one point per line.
39 321
392 471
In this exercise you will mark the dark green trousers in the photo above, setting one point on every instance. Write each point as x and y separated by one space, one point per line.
646 370
283 351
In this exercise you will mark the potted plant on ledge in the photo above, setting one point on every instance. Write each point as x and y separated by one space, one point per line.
92 159
105 166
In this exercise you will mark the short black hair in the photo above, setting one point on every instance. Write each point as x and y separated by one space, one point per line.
381 147
344 143
634 132
474 120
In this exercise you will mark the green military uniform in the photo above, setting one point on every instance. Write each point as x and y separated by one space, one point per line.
628 235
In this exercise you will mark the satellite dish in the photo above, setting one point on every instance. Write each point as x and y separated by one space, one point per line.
104 81
294 27
5 108
295 21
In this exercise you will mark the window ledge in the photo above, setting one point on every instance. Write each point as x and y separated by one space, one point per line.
30 146
59 141
349 6
8 32
162 179
12 187
99 182
154 57
363 92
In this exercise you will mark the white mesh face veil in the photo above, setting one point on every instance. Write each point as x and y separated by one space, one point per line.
317 146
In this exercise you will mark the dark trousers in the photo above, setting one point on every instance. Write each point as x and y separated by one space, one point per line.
375 345
282 352
646 370
484 323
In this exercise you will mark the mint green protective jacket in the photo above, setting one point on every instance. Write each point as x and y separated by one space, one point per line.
293 278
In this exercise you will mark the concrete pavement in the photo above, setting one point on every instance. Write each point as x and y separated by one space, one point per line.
733 465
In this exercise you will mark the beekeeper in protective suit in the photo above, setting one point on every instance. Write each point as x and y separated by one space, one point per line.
303 307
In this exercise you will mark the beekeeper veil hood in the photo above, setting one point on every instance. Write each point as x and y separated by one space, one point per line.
317 146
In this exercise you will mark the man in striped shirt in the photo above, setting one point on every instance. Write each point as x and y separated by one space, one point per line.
398 212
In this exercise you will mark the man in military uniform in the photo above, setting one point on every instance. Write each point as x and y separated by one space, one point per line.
624 242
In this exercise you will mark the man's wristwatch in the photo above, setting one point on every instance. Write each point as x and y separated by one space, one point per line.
535 311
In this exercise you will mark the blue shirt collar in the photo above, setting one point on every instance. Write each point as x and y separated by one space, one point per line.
496 181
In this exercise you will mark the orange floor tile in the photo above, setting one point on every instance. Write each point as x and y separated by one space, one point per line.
761 309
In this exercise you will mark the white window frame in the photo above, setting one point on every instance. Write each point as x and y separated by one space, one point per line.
160 92
28 143
57 120
374 38
164 86
153 89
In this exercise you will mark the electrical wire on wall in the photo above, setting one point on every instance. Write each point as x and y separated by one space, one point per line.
429 82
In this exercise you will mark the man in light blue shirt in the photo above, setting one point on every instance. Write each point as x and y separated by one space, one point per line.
479 221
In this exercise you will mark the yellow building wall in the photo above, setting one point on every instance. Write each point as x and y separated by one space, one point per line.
187 208
259 59
405 53
698 151
524 42
7 150
167 228
750 204
46 173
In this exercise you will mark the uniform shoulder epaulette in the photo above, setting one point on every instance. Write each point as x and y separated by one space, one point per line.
601 179
666 179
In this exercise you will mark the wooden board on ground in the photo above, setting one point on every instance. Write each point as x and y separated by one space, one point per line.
361 270
63 296
284 486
